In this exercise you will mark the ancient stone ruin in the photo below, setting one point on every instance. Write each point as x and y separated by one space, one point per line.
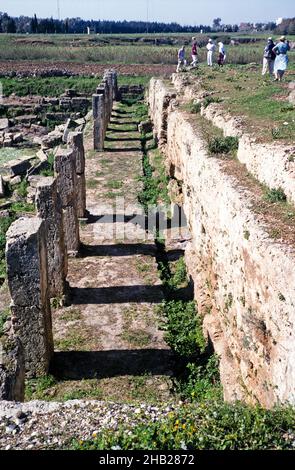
243 277
38 247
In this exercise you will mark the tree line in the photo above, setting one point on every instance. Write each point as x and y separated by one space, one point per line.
34 25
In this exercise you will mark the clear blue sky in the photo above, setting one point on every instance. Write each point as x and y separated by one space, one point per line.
181 11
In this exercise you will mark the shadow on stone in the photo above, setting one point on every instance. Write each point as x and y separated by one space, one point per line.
118 250
79 365
116 295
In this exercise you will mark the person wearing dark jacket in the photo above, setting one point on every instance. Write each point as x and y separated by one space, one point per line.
269 57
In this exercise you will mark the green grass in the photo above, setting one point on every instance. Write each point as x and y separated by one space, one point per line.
155 181
112 49
136 337
20 207
114 184
51 86
262 103
36 389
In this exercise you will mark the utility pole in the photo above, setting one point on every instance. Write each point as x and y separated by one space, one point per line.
58 10
147 15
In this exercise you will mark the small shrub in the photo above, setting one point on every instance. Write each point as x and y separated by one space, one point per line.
223 145
201 381
22 189
183 328
275 195
210 99
194 108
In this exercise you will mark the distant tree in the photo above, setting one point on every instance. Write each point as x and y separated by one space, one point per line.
67 26
11 26
34 24
216 23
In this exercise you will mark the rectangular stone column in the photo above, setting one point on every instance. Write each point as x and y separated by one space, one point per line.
12 369
75 141
65 170
99 116
49 208
115 85
109 78
26 258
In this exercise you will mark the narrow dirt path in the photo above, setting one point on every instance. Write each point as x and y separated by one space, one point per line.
108 342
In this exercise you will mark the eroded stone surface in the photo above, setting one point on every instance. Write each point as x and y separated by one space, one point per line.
244 280
49 209
26 257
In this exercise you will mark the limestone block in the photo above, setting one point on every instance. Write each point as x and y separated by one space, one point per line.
12 369
26 258
4 123
75 141
81 196
49 209
71 229
19 166
65 169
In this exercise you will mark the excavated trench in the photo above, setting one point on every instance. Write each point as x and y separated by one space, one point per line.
108 342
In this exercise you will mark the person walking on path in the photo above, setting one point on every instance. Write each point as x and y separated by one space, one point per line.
281 60
269 57
210 48
222 54
194 53
181 59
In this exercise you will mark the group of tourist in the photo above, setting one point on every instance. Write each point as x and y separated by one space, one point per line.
210 53
275 58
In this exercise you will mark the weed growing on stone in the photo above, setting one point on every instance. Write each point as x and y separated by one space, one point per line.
275 195
223 145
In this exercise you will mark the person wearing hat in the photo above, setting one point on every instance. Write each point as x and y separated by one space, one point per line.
269 57
281 60
210 48
194 53
222 54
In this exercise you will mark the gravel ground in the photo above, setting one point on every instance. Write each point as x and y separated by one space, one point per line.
43 425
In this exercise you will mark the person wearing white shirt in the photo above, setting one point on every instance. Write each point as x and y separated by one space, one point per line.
222 54
210 48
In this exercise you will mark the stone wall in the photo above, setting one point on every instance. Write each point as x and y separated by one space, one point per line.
102 105
244 280
271 163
